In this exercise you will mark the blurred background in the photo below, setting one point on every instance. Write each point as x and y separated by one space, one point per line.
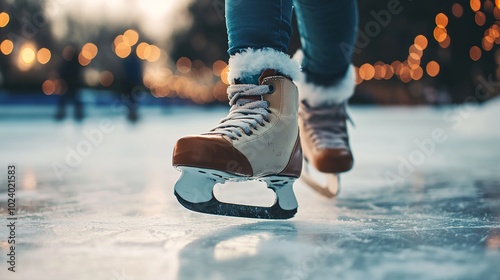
135 53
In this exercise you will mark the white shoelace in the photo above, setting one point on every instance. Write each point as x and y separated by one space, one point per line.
245 113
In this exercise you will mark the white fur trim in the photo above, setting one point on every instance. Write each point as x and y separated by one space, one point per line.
254 61
317 96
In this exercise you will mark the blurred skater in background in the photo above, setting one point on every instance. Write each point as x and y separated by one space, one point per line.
70 72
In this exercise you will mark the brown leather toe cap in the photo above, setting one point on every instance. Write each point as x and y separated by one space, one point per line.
211 152
333 160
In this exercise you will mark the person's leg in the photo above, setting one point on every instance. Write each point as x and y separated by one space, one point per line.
328 31
259 33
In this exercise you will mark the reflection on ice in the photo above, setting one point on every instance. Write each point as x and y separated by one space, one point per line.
242 246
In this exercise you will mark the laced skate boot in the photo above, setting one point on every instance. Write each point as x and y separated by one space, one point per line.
323 133
259 140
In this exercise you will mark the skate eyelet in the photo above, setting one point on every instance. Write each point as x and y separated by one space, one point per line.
271 89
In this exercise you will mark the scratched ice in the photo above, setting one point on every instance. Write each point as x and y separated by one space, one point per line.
113 214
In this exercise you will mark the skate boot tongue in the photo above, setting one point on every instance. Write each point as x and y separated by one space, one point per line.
248 109
254 80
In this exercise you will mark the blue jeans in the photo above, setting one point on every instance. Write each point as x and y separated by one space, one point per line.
327 30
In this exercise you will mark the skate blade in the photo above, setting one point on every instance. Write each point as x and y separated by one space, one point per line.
326 184
194 191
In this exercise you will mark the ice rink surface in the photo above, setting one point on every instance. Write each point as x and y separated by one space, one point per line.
95 201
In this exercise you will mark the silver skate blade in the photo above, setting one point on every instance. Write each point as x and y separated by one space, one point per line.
326 184
194 191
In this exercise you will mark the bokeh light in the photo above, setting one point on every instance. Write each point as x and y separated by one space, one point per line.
475 5
457 10
43 55
367 71
4 19
82 60
441 20
218 66
132 37
154 53
7 47
421 42
184 65
143 50
49 87
224 75
106 78
416 73
89 51
480 18
475 53
27 57
440 34
123 50
405 74
432 68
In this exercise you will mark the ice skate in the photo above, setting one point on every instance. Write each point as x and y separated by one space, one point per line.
258 140
323 132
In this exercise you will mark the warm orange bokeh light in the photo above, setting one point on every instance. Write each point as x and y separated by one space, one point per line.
132 37
440 34
487 43
396 66
82 60
43 55
4 19
224 75
123 50
49 87
120 39
389 71
368 71
184 64
432 69
379 71
218 66
417 73
7 47
421 42
415 51
143 50
458 10
155 53
405 74
475 53
441 20
497 3
475 5
89 51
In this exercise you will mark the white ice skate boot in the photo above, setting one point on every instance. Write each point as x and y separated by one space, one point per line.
259 139
323 132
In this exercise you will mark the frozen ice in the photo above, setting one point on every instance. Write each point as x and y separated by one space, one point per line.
111 212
